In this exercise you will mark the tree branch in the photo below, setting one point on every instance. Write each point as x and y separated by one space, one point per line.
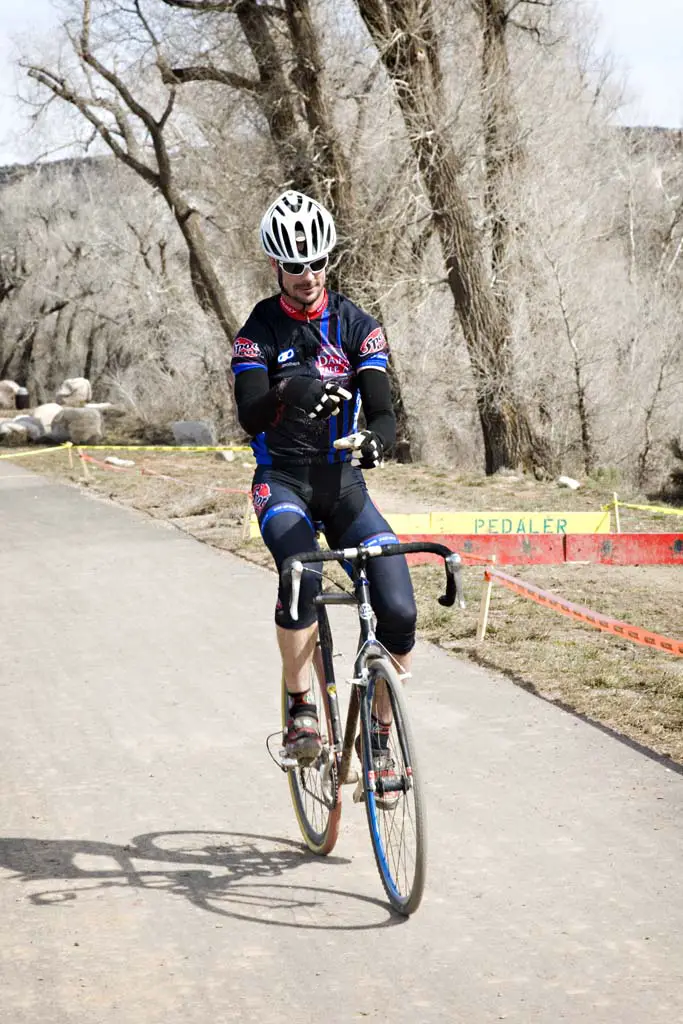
209 73
223 6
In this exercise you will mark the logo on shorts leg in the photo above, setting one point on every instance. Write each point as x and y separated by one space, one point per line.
260 493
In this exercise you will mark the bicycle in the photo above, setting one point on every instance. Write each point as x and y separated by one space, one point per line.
392 791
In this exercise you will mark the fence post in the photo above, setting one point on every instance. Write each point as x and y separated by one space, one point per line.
246 529
84 467
484 606
616 511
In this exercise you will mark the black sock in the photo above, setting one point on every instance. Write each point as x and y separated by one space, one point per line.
299 700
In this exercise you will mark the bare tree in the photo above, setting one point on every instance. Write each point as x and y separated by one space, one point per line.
581 366
100 289
137 137
405 35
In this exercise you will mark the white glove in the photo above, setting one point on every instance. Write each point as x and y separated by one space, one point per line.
329 402
366 448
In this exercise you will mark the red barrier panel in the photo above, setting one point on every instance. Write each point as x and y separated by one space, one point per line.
519 549
626 548
555 549
161 476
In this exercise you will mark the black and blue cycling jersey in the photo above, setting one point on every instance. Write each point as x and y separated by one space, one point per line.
301 479
334 341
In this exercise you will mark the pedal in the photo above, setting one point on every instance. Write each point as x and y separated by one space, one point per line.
287 762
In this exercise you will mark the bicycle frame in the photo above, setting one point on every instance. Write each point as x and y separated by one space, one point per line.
367 646
389 780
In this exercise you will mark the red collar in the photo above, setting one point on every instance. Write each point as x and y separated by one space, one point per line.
304 314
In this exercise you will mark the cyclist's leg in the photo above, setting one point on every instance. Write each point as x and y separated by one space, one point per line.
356 520
287 528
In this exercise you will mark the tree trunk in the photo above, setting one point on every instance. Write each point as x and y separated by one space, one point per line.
501 147
403 33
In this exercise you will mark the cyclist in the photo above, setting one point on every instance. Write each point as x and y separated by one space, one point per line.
304 362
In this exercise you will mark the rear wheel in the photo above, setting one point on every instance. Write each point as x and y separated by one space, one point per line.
315 788
395 809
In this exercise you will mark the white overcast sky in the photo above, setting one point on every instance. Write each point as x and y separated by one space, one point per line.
645 37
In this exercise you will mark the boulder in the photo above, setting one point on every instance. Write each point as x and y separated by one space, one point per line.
34 428
74 391
568 481
8 394
46 414
12 434
80 426
194 432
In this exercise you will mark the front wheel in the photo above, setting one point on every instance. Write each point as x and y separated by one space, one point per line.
395 807
314 789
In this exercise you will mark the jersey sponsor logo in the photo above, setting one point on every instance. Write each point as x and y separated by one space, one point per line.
285 357
375 342
243 348
332 362
260 493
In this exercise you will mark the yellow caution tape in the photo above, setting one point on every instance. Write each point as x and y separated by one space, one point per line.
164 448
131 448
645 508
40 451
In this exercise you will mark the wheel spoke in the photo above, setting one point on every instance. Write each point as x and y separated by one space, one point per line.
396 817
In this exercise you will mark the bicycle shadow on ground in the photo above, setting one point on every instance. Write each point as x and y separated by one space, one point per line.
231 874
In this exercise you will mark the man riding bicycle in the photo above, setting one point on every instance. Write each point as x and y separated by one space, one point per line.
305 362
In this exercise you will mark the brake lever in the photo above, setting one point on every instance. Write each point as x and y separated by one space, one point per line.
454 588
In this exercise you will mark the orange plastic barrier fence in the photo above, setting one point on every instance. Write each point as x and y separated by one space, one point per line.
586 615
161 476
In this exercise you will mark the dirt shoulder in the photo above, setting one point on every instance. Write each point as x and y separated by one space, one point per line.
633 690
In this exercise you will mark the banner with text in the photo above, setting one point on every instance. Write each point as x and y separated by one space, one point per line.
476 523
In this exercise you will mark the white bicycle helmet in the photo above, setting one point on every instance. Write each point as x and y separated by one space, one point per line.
296 227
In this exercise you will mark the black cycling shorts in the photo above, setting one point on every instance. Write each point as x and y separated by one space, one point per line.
292 503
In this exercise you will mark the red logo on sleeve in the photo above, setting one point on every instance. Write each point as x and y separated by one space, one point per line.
375 342
246 349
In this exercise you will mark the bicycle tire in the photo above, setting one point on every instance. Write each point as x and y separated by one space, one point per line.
315 789
399 834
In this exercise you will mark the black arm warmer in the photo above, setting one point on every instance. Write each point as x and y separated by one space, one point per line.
375 393
257 403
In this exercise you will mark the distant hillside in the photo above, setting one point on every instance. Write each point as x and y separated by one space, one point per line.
667 142
75 166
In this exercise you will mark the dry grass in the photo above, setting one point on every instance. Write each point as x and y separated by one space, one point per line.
628 688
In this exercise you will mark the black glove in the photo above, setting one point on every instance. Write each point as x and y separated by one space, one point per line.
366 448
319 401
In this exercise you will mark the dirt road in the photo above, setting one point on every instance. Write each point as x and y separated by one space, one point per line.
150 867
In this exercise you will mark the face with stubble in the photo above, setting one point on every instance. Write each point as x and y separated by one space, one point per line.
305 289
